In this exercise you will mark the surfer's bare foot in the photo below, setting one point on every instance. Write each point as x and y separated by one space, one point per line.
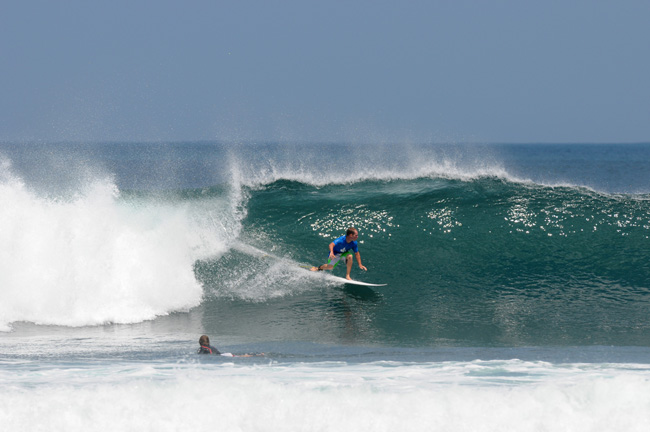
348 277
314 269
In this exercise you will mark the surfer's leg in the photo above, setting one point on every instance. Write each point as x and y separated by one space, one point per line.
331 263
348 262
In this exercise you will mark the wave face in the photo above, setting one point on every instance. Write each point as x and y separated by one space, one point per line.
481 261
479 245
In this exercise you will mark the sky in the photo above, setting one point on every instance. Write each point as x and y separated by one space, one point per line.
325 71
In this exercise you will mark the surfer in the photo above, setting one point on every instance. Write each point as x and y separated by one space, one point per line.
206 348
343 247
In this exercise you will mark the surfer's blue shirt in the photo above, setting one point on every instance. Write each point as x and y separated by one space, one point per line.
341 246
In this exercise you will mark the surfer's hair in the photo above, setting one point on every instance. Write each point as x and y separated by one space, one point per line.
351 231
204 340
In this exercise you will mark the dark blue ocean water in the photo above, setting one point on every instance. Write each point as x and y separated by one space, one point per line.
491 245
521 267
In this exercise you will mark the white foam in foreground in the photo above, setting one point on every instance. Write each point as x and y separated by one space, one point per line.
465 396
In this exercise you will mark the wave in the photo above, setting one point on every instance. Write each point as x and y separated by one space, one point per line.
602 169
483 261
528 224
100 256
471 252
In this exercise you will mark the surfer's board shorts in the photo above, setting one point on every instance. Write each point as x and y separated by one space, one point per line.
334 261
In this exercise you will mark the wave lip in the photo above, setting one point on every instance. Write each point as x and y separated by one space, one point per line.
616 169
445 170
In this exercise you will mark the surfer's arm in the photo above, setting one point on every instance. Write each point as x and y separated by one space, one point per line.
361 266
332 250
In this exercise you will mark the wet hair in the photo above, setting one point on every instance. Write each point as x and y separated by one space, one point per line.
204 340
351 231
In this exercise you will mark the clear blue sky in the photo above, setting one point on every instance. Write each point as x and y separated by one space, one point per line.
357 71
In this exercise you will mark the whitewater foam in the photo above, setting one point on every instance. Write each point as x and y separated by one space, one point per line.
96 258
332 396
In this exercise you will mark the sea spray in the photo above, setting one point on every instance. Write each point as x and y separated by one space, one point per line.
96 258
340 164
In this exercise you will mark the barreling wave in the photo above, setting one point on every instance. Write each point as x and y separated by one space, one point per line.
473 251
485 260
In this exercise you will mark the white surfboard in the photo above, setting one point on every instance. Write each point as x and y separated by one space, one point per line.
342 280
351 282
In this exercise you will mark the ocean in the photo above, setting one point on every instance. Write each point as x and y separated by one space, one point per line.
517 296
